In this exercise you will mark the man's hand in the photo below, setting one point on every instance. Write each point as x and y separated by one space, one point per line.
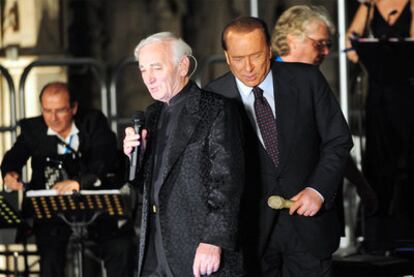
11 181
65 186
352 56
132 140
307 203
206 260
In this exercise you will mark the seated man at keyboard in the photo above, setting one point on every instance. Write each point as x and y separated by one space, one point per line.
69 151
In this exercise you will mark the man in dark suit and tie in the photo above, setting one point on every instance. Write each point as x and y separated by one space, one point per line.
297 143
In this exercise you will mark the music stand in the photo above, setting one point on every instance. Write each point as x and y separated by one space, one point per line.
389 62
9 218
78 210
386 60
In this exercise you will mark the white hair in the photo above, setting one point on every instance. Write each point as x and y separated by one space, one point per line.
179 47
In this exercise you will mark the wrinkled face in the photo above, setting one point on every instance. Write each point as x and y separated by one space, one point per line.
314 46
57 112
161 76
248 56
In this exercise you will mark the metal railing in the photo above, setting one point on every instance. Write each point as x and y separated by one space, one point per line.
95 66
113 117
205 65
13 114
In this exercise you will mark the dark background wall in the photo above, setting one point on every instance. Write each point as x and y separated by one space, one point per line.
108 31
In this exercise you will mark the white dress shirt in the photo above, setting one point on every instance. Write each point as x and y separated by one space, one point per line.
72 139
247 96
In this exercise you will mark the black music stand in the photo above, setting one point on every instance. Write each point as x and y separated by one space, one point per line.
9 217
78 210
386 60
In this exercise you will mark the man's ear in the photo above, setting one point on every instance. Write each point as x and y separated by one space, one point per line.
291 41
75 108
270 52
184 66
227 57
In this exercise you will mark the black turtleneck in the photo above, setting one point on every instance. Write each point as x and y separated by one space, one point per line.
166 124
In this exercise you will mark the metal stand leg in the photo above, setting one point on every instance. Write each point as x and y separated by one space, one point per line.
78 247
15 262
77 238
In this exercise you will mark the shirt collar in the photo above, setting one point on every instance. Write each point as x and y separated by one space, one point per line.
265 85
73 131
181 95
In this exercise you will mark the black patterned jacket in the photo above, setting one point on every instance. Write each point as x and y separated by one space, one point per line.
202 182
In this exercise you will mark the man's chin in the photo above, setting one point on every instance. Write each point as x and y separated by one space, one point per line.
155 95
251 83
57 130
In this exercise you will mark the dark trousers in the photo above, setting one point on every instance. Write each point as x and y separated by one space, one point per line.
52 259
118 253
286 256
155 261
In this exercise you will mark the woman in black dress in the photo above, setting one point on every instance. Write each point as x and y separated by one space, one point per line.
388 163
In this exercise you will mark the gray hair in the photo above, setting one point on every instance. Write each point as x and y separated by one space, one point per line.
294 21
179 47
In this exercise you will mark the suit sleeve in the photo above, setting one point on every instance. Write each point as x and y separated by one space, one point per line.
226 179
17 156
99 155
335 141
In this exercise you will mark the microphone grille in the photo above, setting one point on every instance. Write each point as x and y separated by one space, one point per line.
139 117
275 202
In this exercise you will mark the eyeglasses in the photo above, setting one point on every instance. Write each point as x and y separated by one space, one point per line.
60 111
321 44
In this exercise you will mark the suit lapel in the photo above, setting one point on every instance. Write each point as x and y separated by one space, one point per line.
186 123
48 143
230 89
233 92
286 98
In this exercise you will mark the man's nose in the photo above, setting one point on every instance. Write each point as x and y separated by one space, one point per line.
325 51
248 65
53 115
151 78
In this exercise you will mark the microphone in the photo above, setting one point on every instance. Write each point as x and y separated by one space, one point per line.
138 120
277 202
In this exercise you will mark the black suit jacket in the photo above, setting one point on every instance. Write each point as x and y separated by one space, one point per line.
314 142
202 181
97 145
